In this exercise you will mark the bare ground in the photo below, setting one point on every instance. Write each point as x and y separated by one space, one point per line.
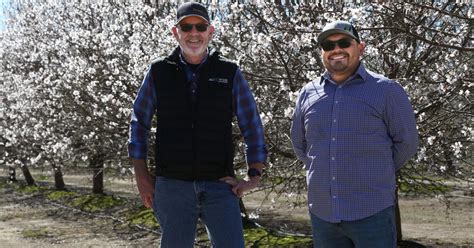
29 222
431 222
427 222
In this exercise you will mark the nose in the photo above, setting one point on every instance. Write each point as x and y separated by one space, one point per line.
194 30
337 47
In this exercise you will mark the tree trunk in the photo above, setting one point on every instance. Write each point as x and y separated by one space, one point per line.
26 173
58 178
398 218
243 210
11 174
246 221
97 165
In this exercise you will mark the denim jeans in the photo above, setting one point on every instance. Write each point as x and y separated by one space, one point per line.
375 231
178 205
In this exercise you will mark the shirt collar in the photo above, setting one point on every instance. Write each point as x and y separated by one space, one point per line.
183 61
361 72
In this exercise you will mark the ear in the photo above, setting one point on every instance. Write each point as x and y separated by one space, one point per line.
211 31
174 30
361 47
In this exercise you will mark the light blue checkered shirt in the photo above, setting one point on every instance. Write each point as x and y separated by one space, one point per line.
352 139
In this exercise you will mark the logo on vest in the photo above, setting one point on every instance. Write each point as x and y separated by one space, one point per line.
218 80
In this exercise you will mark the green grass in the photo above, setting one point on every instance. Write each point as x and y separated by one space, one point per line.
42 178
143 216
95 202
32 189
258 237
60 195
424 188
38 233
3 184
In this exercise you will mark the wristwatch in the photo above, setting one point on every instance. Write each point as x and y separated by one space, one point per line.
252 172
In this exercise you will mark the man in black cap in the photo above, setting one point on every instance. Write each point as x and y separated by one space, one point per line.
353 129
195 93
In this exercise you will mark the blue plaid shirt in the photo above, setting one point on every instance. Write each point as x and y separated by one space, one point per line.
245 108
352 138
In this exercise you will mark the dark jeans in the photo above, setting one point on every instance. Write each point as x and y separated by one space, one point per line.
376 231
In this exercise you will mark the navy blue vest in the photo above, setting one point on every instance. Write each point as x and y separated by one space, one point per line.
194 138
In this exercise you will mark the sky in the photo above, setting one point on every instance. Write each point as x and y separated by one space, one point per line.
2 17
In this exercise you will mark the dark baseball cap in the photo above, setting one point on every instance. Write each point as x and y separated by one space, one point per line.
338 27
191 9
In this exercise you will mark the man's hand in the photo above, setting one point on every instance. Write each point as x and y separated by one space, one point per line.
239 187
145 182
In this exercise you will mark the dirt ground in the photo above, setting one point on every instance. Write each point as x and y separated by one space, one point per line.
29 222
428 222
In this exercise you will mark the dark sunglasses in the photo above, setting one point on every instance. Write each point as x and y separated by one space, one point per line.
200 27
329 45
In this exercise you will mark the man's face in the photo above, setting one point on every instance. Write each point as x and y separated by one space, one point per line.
193 43
342 61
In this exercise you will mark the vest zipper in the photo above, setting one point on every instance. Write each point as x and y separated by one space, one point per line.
194 166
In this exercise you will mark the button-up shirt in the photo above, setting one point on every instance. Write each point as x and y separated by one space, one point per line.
352 138
245 109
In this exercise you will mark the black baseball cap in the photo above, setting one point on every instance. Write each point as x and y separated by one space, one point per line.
191 9
338 27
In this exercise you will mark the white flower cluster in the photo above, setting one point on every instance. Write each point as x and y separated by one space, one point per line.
70 70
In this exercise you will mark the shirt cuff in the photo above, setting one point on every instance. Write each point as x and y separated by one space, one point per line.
258 155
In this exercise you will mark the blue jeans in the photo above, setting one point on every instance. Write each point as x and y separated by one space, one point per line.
375 231
178 205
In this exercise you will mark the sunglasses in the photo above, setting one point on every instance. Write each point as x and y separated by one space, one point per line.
200 27
329 45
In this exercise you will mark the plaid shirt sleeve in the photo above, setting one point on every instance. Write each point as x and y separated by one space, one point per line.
143 110
249 121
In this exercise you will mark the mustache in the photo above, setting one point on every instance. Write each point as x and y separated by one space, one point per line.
339 53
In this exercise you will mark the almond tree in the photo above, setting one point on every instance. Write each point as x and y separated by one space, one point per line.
16 99
426 47
70 72
90 58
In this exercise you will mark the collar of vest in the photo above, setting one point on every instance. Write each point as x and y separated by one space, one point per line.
174 56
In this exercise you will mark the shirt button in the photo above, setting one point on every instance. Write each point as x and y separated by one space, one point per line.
334 197
337 101
333 158
333 139
334 120
333 178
